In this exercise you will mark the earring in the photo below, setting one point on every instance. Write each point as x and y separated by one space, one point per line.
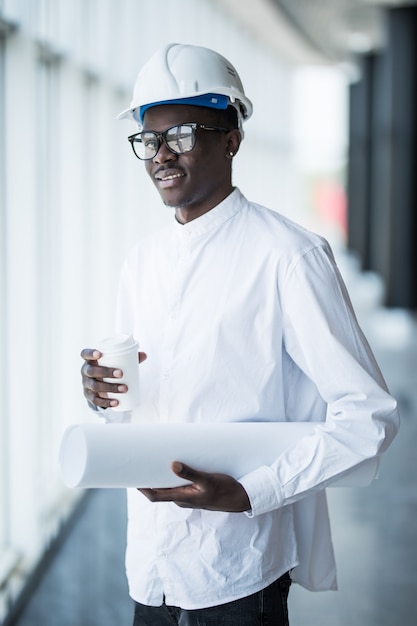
231 154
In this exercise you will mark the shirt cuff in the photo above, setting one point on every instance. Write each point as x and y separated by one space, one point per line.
264 492
112 417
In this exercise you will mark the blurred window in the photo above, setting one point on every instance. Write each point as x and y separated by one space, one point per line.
3 314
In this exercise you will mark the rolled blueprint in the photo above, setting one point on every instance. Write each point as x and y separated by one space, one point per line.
140 455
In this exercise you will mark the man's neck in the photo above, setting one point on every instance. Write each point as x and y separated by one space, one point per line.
186 214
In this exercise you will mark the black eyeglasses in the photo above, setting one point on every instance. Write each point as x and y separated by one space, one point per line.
178 139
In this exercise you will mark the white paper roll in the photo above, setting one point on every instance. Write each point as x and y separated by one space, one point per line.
140 455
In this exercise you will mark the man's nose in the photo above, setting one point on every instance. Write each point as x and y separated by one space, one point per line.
164 154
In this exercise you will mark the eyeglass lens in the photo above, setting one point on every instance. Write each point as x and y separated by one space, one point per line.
179 139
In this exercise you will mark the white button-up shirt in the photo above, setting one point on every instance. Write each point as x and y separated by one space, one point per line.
244 317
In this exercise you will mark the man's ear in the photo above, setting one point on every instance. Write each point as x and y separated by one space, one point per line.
233 142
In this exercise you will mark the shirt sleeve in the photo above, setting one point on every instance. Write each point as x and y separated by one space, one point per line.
322 337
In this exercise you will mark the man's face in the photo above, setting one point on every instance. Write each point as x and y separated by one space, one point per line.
198 180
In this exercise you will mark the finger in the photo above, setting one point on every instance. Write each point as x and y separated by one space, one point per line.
147 492
105 403
189 473
142 356
90 354
184 494
102 402
103 388
99 372
100 387
157 495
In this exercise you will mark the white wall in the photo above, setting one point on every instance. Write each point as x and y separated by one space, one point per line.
73 199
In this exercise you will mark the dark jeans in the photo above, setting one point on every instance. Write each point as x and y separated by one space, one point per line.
266 607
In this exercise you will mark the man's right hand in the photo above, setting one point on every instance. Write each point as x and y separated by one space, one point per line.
95 388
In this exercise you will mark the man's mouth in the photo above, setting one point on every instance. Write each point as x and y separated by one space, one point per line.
168 175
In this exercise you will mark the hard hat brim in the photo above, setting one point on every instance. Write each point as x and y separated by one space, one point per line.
128 114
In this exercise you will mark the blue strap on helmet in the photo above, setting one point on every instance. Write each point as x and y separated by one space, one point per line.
210 100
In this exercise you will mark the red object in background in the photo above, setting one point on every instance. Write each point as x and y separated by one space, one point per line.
331 204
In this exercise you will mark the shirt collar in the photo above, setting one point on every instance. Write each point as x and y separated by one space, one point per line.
213 218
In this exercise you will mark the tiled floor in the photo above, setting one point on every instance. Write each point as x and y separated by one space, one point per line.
375 528
85 584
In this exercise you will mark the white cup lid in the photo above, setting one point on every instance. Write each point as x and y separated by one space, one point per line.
116 342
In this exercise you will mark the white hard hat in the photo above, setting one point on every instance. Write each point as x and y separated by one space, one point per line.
185 74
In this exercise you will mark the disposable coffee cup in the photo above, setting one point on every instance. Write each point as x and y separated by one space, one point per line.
121 352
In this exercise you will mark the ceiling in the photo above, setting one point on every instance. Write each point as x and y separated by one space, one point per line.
339 29
317 31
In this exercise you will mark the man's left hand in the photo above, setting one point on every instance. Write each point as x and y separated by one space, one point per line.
214 492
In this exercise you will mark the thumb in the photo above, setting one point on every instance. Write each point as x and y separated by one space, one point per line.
142 356
187 472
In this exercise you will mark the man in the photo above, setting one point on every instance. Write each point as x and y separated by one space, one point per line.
244 317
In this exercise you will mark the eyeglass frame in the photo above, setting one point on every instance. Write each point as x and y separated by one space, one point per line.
161 137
